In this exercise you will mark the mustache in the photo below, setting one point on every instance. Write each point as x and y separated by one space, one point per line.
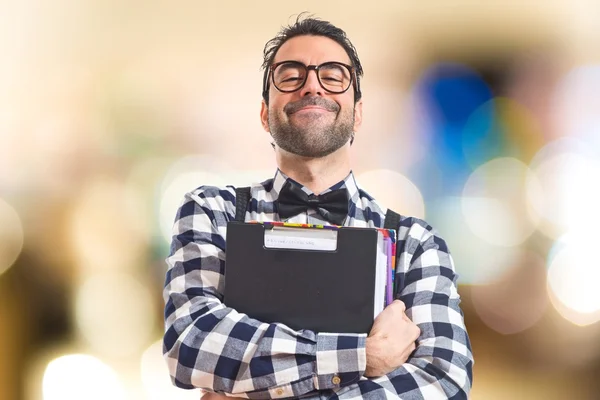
329 105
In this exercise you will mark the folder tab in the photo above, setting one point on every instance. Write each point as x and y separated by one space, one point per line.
282 237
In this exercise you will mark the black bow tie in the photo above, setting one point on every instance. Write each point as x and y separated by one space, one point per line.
333 206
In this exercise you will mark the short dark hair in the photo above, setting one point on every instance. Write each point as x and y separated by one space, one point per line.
310 26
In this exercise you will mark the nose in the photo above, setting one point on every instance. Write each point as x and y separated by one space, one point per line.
312 85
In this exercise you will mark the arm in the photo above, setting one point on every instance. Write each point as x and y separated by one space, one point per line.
211 346
441 366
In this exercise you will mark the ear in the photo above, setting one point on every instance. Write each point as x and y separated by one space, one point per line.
358 115
264 116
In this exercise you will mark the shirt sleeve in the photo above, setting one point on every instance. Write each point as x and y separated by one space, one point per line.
208 345
441 366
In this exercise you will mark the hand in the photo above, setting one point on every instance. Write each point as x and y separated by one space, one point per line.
391 340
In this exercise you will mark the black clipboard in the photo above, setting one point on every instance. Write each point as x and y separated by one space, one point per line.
323 291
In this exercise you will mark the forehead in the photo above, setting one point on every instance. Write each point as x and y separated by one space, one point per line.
312 50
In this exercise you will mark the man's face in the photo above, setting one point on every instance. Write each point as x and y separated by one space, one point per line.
311 122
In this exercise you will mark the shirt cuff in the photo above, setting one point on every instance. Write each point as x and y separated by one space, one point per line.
341 359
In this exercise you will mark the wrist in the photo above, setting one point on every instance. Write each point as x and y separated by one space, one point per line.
373 367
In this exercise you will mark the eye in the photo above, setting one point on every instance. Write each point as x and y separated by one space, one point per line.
290 79
288 74
332 73
331 78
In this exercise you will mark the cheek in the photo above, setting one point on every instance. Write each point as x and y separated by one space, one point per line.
346 103
276 101
276 107
348 109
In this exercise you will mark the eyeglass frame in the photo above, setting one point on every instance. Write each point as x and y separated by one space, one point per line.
269 73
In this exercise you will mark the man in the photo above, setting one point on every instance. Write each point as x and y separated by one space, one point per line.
418 346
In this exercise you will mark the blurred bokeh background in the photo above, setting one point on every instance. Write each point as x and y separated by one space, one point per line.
481 117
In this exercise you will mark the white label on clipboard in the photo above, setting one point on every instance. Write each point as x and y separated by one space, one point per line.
282 237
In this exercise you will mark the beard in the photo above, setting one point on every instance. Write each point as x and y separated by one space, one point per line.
314 134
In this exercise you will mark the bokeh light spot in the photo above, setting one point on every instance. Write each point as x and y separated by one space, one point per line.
114 313
394 190
495 202
566 198
573 277
477 261
576 103
501 128
80 376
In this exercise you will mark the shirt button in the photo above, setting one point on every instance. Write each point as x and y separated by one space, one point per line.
279 392
336 380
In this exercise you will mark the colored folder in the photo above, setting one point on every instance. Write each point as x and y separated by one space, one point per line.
321 278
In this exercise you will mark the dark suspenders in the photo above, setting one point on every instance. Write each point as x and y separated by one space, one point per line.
392 220
242 199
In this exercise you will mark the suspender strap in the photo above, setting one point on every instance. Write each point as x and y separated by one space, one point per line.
392 220
242 198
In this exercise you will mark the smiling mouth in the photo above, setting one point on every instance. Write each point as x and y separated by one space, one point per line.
312 108
311 104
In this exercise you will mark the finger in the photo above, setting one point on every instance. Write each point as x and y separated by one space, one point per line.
400 304
408 351
416 332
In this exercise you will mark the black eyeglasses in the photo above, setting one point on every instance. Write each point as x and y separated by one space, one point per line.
289 76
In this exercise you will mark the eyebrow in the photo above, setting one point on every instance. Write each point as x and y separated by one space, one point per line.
348 62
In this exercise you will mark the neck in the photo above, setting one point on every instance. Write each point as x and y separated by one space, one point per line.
317 174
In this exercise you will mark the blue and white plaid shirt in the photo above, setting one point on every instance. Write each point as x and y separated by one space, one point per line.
211 346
